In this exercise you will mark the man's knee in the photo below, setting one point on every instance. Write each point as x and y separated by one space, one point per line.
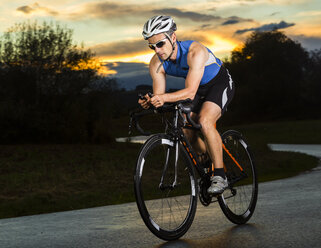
209 115
207 123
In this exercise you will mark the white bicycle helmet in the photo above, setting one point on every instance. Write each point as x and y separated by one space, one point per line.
157 25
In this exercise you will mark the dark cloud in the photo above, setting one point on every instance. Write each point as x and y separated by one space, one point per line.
206 26
106 10
36 7
267 27
194 16
120 48
128 69
127 14
275 13
235 20
129 75
25 9
112 10
228 22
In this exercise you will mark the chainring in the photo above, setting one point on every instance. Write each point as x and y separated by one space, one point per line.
204 197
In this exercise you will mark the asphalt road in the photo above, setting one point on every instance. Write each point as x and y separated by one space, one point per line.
288 214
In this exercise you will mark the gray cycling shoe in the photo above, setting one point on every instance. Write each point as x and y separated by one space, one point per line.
218 185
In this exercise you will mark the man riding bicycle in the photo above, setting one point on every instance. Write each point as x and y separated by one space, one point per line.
207 83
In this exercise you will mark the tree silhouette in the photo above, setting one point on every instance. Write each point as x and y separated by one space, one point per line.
46 53
48 87
269 70
311 86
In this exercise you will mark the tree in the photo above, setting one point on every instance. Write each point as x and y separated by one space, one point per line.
311 86
47 54
268 70
47 84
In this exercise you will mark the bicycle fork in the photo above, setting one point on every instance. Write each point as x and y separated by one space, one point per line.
171 186
176 144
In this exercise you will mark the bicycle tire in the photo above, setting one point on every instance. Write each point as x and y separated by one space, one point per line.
167 213
239 200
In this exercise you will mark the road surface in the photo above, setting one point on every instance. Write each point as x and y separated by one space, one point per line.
288 214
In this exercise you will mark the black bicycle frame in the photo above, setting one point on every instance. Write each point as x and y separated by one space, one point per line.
179 136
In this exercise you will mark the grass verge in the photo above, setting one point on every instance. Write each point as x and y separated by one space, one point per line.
48 178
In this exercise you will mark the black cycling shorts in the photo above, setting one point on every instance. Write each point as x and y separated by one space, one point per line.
219 90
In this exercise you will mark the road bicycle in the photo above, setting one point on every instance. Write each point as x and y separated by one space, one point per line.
166 185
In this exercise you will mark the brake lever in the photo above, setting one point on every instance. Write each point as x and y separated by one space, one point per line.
182 116
142 97
187 111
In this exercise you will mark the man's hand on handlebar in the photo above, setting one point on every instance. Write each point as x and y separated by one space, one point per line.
157 101
144 101
147 100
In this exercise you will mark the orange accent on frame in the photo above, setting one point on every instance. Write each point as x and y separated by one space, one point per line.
224 168
189 153
231 156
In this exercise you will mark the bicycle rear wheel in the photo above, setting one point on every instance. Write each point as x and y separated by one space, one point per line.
239 200
167 211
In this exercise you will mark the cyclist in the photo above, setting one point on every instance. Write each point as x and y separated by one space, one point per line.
207 83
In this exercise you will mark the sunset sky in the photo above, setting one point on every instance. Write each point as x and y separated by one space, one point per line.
113 28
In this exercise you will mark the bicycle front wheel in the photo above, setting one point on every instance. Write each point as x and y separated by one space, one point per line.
168 210
239 200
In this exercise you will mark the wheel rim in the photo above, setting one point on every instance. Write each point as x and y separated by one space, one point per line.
169 208
239 197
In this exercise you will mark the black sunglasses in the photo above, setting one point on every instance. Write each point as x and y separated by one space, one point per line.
158 44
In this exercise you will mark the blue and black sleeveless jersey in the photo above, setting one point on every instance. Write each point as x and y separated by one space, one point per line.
180 67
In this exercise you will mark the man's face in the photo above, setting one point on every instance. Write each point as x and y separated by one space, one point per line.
164 51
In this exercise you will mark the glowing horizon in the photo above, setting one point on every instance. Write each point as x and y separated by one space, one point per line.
219 46
113 28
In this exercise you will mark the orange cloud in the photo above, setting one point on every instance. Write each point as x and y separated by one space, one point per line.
106 70
136 58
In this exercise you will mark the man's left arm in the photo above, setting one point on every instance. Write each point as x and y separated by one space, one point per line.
196 59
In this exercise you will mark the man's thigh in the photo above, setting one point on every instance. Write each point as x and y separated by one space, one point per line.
210 111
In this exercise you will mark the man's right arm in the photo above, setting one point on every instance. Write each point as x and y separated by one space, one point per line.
159 80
